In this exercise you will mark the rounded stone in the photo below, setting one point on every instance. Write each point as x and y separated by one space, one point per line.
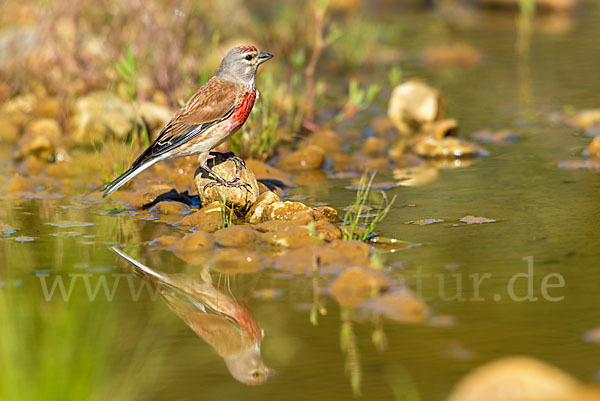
238 198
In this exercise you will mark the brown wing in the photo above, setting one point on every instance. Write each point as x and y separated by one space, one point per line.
212 103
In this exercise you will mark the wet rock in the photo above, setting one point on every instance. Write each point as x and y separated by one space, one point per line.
236 236
447 148
328 141
101 116
374 147
209 218
232 261
593 149
356 284
286 210
327 231
40 139
497 137
171 209
142 197
238 198
455 55
515 379
327 213
290 237
258 210
401 305
309 158
414 103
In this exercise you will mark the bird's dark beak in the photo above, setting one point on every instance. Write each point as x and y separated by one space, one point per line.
264 56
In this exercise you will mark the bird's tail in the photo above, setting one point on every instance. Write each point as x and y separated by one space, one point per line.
126 176
140 268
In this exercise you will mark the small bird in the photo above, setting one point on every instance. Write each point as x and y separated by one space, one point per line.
224 323
214 113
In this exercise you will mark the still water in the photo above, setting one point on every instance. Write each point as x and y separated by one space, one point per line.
546 223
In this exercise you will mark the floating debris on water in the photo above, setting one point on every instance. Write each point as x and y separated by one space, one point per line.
579 165
424 222
6 230
476 220
24 238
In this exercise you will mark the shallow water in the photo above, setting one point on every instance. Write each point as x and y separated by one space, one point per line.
541 211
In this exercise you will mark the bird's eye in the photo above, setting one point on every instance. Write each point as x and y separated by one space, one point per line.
255 374
249 57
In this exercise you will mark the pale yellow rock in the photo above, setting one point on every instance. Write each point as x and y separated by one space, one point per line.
414 103
257 212
238 198
515 379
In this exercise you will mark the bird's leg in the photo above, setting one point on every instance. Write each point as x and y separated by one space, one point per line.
231 156
221 181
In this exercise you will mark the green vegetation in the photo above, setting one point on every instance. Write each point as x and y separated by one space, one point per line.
359 221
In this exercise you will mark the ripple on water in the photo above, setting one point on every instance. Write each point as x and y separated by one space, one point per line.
66 234
70 224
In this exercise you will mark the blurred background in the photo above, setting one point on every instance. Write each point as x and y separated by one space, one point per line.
85 85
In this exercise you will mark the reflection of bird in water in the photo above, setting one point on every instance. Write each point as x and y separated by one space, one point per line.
224 323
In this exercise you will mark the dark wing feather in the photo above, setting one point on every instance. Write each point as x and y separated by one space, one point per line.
214 102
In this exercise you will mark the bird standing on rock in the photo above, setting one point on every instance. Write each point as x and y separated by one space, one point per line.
214 113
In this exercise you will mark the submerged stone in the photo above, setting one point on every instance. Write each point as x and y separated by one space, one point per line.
209 218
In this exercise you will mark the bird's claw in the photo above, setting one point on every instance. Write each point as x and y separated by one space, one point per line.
231 156
230 184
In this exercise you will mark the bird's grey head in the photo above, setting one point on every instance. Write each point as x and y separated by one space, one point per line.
241 63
